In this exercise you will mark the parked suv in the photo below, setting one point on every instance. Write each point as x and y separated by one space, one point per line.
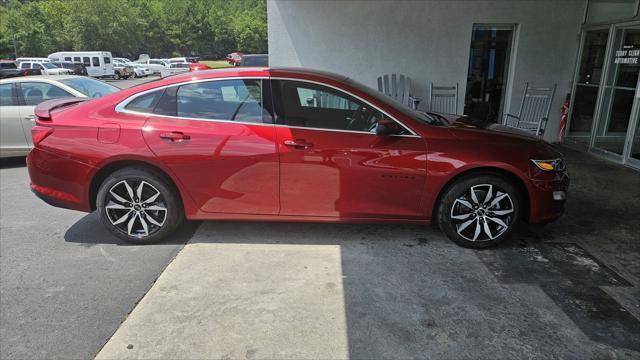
47 68
8 68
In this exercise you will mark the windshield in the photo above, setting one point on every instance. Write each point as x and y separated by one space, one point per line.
406 110
49 66
90 87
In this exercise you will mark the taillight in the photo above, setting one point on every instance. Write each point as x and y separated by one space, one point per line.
39 133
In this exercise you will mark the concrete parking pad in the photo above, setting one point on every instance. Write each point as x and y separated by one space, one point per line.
240 301
284 290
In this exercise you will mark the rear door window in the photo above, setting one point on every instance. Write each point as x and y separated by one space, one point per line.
67 58
231 100
33 93
25 65
96 61
107 60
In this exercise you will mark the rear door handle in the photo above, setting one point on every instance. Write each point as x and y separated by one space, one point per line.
176 136
298 144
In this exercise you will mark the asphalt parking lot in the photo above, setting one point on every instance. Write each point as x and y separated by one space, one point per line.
281 290
125 84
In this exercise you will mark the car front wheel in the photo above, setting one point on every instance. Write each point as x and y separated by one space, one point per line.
139 205
479 211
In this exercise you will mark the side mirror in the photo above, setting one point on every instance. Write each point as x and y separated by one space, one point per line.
387 127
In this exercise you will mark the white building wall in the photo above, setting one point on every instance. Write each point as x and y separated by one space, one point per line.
428 41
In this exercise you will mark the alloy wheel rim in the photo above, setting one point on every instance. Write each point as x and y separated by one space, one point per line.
138 213
482 213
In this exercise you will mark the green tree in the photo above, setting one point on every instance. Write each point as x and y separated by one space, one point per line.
159 28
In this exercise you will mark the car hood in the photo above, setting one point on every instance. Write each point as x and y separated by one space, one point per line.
466 122
459 126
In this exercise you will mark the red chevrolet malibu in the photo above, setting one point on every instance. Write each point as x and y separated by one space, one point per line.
286 145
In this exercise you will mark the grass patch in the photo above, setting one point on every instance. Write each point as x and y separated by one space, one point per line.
216 64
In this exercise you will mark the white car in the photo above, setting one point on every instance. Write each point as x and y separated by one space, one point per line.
139 70
46 68
17 110
155 65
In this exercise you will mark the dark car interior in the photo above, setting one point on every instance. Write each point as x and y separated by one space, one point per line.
308 105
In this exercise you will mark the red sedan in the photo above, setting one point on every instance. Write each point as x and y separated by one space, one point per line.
286 145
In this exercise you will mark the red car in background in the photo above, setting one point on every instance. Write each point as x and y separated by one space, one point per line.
286 145
235 58
198 66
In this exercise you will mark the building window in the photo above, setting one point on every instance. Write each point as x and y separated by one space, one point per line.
607 10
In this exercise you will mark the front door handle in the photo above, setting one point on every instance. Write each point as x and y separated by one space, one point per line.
176 136
30 117
298 144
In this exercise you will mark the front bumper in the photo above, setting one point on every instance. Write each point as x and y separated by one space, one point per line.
548 197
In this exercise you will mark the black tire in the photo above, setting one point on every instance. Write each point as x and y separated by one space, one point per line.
455 203
139 211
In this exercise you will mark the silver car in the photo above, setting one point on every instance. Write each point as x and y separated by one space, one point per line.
19 97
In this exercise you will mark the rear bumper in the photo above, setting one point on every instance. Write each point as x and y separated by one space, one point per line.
549 197
58 180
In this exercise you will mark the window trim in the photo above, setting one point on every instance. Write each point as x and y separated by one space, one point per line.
120 107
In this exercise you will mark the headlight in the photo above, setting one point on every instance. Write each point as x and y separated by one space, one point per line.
555 165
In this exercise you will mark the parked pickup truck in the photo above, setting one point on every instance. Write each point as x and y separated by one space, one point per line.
9 68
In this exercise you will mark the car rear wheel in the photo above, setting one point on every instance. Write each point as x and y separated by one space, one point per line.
479 211
138 205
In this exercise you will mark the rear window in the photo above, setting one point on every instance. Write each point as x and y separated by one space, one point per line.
90 87
107 60
8 65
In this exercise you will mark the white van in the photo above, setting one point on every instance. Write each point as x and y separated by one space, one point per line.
32 59
98 63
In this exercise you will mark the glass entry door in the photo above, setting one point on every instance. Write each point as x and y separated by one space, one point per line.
589 78
619 93
633 155
488 69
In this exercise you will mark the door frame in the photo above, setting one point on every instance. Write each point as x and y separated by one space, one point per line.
623 158
509 72
634 127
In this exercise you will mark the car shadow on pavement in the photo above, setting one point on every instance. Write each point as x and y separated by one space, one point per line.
89 231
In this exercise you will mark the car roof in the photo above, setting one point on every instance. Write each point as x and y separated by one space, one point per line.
46 78
259 72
